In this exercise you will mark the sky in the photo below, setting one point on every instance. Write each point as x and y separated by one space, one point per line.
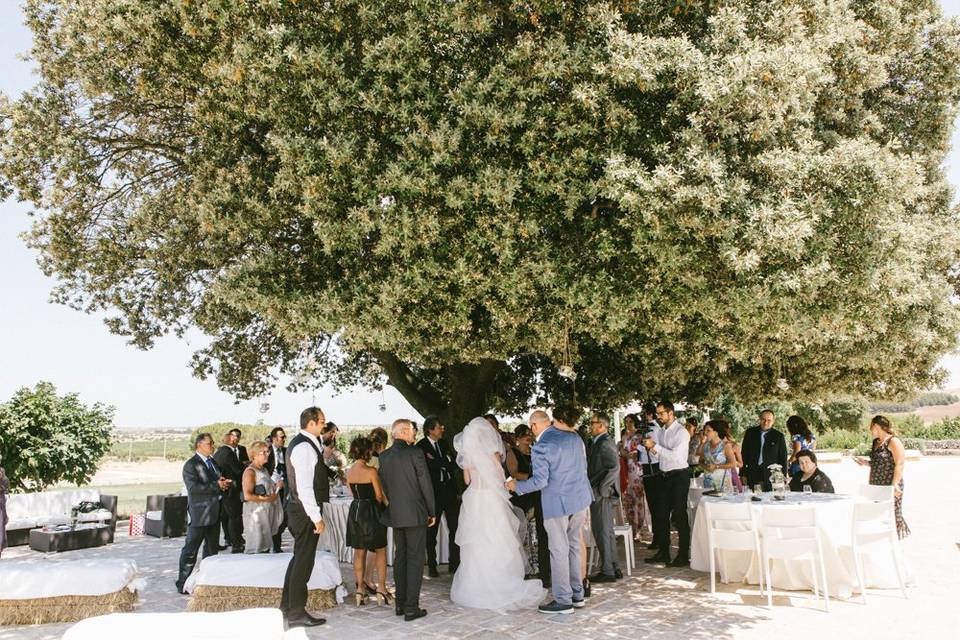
155 388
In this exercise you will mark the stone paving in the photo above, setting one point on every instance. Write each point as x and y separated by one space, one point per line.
652 604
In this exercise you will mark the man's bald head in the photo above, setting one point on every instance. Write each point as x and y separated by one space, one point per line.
539 421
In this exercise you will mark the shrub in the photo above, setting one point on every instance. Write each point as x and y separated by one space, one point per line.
935 398
842 439
46 438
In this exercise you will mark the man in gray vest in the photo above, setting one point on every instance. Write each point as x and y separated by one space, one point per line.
307 483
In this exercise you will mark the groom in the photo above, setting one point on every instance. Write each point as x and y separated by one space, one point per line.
560 474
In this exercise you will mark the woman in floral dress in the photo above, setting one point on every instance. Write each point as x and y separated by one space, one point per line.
634 504
887 458
718 458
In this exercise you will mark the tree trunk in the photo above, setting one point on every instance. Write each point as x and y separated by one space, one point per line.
468 394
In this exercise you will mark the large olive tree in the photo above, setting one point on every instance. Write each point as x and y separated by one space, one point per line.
462 196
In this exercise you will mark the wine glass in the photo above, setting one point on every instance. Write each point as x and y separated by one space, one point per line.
807 489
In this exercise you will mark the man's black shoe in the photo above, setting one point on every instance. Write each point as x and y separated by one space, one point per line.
660 558
432 572
602 577
237 549
222 547
679 561
586 588
306 621
618 574
413 616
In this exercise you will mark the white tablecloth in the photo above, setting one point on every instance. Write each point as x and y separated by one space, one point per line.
263 624
265 570
41 579
334 537
835 521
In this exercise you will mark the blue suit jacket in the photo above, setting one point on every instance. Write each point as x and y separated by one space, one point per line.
559 474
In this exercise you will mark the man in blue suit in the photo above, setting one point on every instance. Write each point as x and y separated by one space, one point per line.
560 474
205 485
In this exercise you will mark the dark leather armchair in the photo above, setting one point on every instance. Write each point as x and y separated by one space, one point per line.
173 516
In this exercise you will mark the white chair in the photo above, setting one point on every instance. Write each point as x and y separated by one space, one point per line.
624 530
877 492
730 527
874 524
792 534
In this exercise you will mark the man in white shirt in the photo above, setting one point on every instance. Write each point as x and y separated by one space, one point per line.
672 449
277 466
306 477
650 467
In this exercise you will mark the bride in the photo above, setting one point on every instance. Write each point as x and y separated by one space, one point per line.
491 569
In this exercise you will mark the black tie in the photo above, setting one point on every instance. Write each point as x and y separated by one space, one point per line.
443 470
211 467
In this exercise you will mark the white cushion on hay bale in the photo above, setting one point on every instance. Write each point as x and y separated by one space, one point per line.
66 590
262 624
236 581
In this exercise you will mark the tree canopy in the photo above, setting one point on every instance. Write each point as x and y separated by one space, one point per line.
46 438
675 197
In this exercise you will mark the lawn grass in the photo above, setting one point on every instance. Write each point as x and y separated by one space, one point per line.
132 498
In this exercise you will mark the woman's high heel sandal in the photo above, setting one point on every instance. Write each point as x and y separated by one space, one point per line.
369 589
383 598
360 598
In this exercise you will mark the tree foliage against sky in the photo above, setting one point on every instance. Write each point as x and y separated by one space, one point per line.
46 438
677 196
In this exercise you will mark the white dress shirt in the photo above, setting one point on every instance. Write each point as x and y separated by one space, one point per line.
673 447
304 461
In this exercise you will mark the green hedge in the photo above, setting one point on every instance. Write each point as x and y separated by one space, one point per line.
910 428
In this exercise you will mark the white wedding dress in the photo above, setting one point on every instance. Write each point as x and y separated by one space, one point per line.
491 569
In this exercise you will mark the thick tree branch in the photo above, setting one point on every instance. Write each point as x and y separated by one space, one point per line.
424 397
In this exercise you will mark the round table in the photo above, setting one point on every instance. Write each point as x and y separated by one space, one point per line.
334 537
835 521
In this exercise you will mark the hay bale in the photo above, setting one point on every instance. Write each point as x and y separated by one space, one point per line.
214 599
65 608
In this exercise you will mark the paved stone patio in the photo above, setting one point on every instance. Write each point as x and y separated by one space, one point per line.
652 604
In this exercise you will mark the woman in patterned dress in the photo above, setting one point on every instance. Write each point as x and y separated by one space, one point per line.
633 497
887 458
717 456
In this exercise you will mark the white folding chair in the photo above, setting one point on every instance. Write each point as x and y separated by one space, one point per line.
730 527
874 524
792 534
624 530
877 492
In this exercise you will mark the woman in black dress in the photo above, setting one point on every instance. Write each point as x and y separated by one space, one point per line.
809 474
887 458
364 530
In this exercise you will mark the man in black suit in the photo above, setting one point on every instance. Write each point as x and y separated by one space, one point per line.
307 480
410 510
762 446
241 450
603 470
204 488
443 469
227 458
277 467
